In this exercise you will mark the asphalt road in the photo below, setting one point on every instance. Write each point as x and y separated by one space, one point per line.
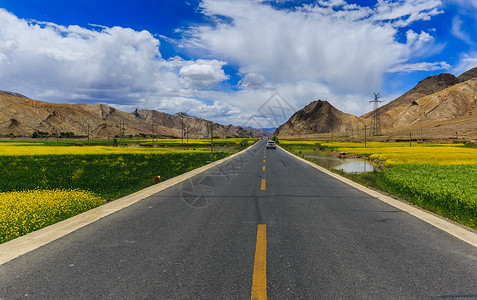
198 240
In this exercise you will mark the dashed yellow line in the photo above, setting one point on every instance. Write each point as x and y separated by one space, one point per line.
259 281
263 169
263 185
263 160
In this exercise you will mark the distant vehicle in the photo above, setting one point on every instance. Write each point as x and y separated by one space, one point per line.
271 144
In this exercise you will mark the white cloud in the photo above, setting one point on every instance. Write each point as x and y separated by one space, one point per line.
89 64
348 49
458 31
467 62
404 12
203 73
117 66
424 66
251 81
332 3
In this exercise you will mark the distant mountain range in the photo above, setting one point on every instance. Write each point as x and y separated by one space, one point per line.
20 115
440 103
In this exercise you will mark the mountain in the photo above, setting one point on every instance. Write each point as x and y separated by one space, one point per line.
428 86
443 97
20 115
456 104
442 104
195 127
14 94
319 117
468 75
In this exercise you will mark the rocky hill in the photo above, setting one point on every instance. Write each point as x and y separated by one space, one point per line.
319 117
456 104
194 127
439 98
428 86
442 103
20 115
468 75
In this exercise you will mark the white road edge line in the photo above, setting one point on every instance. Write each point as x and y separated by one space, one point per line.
29 242
453 229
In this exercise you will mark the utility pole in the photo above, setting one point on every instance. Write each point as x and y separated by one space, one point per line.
182 130
152 134
376 122
121 134
211 142
89 126
364 136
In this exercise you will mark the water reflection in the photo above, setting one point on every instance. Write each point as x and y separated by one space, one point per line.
348 165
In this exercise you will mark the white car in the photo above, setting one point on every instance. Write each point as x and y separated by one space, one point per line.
271 144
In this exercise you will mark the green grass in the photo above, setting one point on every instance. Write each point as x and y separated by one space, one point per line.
448 190
109 176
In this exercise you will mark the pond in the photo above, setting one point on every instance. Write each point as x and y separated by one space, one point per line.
348 165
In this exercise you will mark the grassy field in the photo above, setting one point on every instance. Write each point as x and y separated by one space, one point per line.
182 143
439 177
42 183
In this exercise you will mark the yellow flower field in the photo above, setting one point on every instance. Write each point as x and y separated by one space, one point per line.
402 153
15 150
195 141
27 211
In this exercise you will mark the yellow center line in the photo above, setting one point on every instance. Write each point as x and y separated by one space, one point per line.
263 160
259 282
263 185
263 169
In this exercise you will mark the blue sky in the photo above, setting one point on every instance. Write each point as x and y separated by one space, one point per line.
222 60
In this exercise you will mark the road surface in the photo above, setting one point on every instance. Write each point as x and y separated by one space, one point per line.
263 222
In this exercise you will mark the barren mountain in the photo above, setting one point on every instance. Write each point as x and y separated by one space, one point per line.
406 110
427 86
319 117
20 115
194 127
442 104
455 104
468 75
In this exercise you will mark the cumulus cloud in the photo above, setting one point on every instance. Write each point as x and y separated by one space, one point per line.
118 66
204 73
251 81
56 60
345 47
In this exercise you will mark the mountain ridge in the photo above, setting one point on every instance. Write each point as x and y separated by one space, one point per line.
440 103
20 115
